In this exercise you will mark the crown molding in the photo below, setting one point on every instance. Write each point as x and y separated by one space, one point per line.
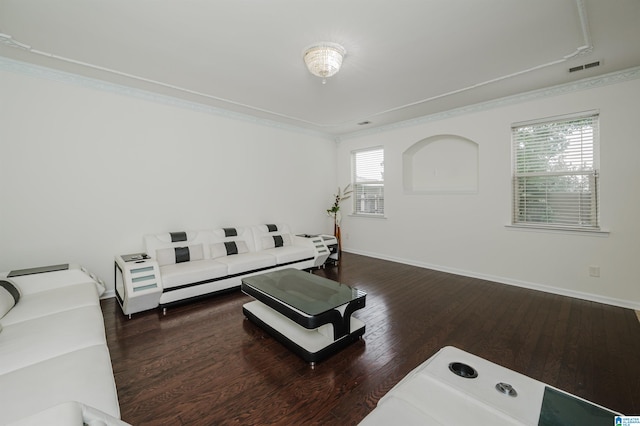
263 117
576 86
37 71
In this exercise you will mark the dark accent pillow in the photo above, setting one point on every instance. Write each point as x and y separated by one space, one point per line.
230 232
232 247
272 228
178 236
11 288
278 241
182 254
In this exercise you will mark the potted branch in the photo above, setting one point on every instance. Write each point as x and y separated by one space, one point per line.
334 211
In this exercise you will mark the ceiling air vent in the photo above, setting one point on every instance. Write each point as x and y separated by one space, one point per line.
585 66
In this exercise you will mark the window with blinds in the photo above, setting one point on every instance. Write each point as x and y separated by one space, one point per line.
368 181
555 173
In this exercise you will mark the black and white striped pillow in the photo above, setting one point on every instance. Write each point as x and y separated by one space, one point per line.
274 241
228 248
171 255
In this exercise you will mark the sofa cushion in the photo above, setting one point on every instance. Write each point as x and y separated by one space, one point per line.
289 254
45 303
175 237
84 375
178 236
230 232
66 414
264 236
9 296
28 342
238 234
191 272
71 413
162 247
246 262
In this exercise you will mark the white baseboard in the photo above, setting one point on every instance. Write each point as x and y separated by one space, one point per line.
503 280
108 294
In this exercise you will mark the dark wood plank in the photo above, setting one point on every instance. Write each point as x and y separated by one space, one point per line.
205 364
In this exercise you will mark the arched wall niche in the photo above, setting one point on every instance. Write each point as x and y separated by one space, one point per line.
441 163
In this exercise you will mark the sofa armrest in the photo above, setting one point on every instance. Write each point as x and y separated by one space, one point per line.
94 417
36 280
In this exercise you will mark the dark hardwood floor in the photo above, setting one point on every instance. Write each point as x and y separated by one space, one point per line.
204 364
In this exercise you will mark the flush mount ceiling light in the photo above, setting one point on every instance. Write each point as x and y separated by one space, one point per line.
324 59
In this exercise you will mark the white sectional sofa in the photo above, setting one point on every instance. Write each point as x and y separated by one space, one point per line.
182 266
455 387
55 367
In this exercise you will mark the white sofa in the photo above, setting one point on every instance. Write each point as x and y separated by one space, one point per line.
192 264
55 367
454 387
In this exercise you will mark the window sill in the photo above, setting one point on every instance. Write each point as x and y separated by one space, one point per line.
369 216
558 229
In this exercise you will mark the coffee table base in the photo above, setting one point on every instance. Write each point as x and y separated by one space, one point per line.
313 345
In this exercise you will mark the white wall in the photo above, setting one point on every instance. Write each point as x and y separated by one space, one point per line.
466 233
85 173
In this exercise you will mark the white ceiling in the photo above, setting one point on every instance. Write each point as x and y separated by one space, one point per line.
405 58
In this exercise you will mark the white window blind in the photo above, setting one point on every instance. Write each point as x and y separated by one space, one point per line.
368 181
555 180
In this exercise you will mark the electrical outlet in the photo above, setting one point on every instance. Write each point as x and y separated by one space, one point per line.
594 271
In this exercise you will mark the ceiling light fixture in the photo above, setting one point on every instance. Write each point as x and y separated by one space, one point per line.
324 59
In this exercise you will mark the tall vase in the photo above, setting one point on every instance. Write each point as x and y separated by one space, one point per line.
336 233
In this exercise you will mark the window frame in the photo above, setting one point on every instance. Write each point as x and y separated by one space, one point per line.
592 175
356 184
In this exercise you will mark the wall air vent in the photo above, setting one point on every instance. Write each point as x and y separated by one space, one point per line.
585 66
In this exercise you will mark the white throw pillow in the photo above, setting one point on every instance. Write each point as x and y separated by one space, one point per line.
267 242
242 246
218 250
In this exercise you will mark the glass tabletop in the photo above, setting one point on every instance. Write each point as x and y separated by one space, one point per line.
306 292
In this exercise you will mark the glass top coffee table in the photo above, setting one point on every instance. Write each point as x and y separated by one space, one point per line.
310 315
